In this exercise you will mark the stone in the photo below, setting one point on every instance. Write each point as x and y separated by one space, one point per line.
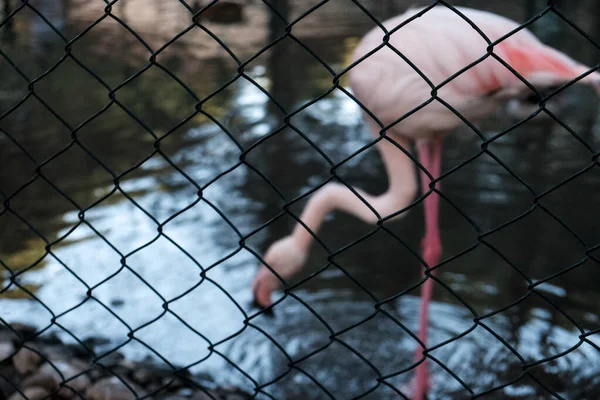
231 394
95 342
185 392
6 350
25 331
47 367
200 395
117 302
217 395
145 375
6 335
224 12
98 373
54 353
125 363
235 396
111 360
78 384
173 383
47 377
9 379
112 389
30 393
26 361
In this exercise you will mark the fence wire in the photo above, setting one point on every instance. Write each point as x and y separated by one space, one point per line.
261 389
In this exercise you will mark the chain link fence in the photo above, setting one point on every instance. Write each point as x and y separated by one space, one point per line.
534 370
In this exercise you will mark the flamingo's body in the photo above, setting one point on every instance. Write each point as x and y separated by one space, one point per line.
440 43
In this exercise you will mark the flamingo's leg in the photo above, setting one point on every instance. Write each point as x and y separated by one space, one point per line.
430 156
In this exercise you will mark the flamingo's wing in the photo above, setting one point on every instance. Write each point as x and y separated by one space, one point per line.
538 58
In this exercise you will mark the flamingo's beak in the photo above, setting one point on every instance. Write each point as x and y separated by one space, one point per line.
263 286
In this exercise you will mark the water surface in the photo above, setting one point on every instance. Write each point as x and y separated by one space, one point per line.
144 200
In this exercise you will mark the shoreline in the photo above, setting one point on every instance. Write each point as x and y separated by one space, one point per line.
37 367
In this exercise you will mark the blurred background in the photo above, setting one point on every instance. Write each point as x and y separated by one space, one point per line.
119 225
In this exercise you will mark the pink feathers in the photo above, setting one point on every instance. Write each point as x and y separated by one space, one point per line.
527 60
440 43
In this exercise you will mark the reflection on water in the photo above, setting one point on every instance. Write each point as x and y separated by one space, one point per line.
124 221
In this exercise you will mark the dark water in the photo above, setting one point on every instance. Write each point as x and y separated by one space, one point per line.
87 220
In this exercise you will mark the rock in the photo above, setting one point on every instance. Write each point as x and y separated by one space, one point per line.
95 342
31 393
9 380
117 302
123 362
81 352
6 350
112 389
98 373
47 367
219 395
180 396
123 368
112 359
173 382
65 352
6 335
200 395
231 394
185 392
54 353
235 396
47 377
26 360
223 12
51 339
152 373
215 395
24 331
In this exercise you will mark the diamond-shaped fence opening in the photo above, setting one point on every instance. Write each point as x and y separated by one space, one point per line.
154 154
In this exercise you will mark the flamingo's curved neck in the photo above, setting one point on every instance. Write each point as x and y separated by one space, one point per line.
336 196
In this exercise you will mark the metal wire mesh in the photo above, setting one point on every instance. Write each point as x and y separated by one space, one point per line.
287 112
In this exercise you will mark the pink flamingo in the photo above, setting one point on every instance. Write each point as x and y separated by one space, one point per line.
441 44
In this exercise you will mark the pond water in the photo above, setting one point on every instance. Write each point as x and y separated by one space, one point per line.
93 207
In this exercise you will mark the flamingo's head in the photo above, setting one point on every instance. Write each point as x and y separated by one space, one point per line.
547 82
522 101
286 258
